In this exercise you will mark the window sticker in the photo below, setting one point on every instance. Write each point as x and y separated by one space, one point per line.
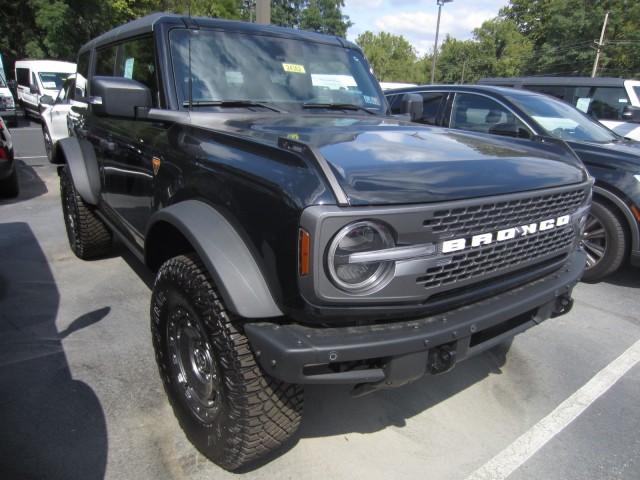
583 104
128 67
293 68
49 85
371 100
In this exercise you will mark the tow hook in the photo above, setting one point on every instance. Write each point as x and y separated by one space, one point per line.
441 360
562 306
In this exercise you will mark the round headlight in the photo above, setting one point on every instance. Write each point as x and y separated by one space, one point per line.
345 270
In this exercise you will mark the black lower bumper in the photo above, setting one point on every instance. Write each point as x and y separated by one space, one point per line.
392 354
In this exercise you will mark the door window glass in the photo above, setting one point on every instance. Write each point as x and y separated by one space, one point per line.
605 103
138 62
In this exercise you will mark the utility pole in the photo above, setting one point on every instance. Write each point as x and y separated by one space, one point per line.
263 11
435 46
600 46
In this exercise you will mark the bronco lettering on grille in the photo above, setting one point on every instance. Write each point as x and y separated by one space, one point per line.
504 235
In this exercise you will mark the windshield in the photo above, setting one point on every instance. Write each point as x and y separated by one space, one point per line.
53 80
242 70
563 121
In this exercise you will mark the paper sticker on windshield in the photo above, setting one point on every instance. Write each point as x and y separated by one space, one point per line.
128 67
293 68
49 85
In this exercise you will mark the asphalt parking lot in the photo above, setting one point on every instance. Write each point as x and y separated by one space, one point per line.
80 396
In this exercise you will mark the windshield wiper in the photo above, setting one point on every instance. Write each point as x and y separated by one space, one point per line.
229 103
337 106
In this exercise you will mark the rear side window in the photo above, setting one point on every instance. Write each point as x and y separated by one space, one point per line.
606 103
553 90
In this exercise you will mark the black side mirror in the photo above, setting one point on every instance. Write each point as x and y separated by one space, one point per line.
118 96
412 104
46 100
509 130
631 113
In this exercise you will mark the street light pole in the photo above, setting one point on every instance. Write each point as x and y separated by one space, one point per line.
435 46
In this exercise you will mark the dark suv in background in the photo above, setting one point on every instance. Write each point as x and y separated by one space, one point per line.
614 102
613 232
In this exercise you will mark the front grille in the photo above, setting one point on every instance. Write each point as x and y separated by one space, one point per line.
496 257
499 215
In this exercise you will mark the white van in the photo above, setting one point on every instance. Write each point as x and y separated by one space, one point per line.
39 77
7 104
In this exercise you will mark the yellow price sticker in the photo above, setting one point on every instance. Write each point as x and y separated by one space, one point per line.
293 68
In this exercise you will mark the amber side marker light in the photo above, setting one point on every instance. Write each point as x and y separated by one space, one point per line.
636 212
304 248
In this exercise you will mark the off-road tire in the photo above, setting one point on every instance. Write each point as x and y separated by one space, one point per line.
88 235
231 410
48 144
9 187
604 240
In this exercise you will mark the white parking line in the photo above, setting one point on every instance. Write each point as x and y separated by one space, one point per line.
512 457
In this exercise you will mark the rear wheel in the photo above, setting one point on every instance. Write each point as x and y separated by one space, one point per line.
231 410
604 241
88 235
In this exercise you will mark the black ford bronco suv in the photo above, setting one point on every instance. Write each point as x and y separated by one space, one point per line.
300 234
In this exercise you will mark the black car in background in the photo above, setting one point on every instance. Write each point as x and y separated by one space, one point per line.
612 234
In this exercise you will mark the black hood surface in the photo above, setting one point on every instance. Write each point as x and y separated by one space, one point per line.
382 160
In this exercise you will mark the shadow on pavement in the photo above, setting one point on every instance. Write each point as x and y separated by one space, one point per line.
51 426
31 185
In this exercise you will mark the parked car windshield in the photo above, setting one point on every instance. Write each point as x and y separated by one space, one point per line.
563 121
225 69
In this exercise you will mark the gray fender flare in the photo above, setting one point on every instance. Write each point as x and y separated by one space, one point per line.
227 258
83 166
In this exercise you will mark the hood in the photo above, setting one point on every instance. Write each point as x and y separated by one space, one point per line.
382 160
624 154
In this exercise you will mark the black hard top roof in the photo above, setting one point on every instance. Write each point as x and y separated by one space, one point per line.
555 81
501 90
149 23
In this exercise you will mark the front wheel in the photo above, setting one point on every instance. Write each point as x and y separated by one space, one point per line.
231 410
48 143
604 241
88 235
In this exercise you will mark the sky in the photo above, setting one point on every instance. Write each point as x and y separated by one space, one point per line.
416 20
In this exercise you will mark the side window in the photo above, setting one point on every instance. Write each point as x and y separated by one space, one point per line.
106 61
557 91
430 106
82 74
478 113
138 62
23 75
605 103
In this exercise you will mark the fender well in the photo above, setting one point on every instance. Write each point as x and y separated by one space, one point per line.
222 250
83 166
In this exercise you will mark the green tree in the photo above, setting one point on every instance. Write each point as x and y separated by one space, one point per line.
564 31
392 58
